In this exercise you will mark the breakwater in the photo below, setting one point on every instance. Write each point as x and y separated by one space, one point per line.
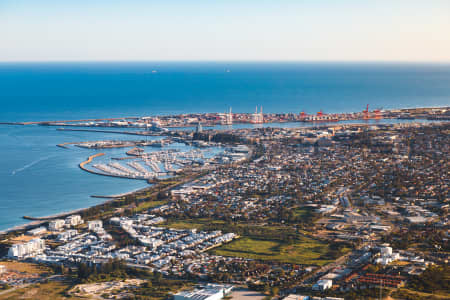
89 160
143 133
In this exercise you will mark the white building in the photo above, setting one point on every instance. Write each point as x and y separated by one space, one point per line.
29 249
386 251
151 242
74 220
323 285
95 225
56 225
37 231
383 260
417 219
387 256
296 297
66 235
208 292
2 269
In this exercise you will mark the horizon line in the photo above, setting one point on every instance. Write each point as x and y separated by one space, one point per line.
230 61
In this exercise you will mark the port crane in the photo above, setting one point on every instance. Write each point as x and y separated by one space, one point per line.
376 113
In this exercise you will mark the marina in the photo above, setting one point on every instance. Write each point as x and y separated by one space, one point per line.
152 165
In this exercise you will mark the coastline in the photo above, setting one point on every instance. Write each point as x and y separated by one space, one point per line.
41 220
111 198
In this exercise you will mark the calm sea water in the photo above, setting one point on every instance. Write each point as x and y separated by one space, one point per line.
37 178
53 91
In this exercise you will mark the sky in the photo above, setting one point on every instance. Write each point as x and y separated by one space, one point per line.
225 30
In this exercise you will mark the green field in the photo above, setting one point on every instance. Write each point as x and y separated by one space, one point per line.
305 251
200 224
149 204
264 242
303 212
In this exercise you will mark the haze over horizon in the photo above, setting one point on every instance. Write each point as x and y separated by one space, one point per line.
200 30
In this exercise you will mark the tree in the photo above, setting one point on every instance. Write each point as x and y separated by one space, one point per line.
157 277
83 271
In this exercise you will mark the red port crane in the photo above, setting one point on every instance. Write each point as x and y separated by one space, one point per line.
366 112
302 115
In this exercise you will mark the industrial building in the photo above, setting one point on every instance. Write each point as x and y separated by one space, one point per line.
208 292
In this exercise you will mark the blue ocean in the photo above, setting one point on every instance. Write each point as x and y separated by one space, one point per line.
38 179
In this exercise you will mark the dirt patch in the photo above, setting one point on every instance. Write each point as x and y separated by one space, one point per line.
30 294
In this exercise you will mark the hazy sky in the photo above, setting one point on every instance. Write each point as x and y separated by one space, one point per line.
338 30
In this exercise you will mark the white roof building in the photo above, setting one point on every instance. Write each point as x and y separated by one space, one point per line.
37 231
296 297
56 225
29 249
74 220
417 219
95 225
66 235
386 251
323 285
209 292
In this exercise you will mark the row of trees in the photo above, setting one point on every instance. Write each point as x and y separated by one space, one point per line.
106 271
433 279
113 269
226 138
